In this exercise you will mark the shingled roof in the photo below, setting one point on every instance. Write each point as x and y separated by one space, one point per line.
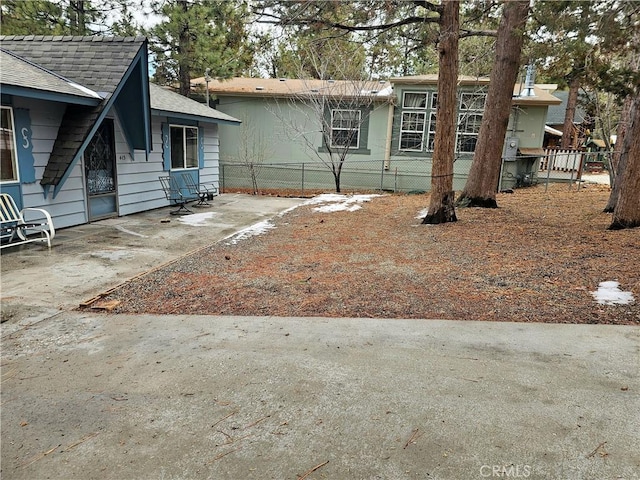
296 88
99 63
18 75
171 104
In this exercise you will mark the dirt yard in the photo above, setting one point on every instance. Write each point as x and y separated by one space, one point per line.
537 258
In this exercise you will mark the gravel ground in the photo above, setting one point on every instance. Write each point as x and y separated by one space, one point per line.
537 258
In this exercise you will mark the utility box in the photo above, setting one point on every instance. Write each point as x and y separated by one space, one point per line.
511 149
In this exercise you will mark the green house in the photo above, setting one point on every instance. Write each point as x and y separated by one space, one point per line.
386 127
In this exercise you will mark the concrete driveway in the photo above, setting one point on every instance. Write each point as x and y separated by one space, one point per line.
91 395
89 259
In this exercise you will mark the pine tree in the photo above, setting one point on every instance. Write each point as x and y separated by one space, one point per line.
197 35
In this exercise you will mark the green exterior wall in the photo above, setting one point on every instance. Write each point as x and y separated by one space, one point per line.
382 165
275 120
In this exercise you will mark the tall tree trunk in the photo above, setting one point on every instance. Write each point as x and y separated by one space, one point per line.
617 166
184 52
441 206
484 175
77 17
627 211
569 134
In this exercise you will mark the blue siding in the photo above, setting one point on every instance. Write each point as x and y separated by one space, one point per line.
24 145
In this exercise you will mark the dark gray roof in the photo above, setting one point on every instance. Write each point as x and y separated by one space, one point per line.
166 102
19 72
556 113
97 63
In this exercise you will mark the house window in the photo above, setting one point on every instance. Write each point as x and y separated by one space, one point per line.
184 147
431 135
412 131
412 123
8 165
414 100
469 120
345 128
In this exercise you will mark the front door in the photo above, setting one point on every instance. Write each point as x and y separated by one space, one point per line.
100 173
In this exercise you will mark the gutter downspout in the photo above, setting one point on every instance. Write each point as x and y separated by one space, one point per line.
387 147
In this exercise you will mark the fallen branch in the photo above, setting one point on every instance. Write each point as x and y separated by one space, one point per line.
309 472
83 439
256 422
224 418
412 439
596 449
38 457
218 457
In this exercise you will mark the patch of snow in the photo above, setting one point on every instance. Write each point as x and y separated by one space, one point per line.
422 213
337 207
609 293
196 219
252 231
600 178
335 202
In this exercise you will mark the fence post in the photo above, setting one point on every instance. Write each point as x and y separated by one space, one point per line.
382 177
221 180
551 161
302 180
573 167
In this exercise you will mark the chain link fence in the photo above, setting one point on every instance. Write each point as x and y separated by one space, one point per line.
403 176
309 178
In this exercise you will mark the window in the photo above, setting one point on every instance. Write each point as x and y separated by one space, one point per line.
472 101
345 128
468 129
8 166
431 136
184 147
412 131
414 100
469 120
412 123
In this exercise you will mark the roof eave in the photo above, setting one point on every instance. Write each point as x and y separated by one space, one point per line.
191 117
533 102
289 96
37 94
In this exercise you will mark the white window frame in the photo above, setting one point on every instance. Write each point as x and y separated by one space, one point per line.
469 107
11 136
405 106
341 128
431 131
184 129
475 108
414 131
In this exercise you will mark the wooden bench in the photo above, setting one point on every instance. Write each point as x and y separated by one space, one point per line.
23 226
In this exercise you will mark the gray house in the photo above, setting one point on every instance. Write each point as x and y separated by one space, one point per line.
86 136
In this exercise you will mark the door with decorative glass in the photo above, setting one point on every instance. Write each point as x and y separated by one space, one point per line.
100 173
